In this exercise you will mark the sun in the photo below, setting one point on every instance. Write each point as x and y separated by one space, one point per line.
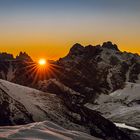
42 62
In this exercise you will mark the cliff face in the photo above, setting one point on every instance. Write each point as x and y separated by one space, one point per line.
98 69
12 111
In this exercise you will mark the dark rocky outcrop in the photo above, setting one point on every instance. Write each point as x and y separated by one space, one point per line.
100 69
12 112
23 56
6 56
109 45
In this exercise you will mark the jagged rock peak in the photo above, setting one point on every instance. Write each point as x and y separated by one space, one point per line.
23 56
6 56
109 45
77 48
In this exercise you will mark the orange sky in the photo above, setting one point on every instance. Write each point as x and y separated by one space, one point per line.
54 46
48 28
55 49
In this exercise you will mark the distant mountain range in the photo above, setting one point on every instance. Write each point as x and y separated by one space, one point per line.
88 70
76 90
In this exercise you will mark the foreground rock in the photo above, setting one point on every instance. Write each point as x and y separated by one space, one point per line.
42 131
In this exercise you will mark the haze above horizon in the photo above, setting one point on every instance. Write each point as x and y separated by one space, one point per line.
48 28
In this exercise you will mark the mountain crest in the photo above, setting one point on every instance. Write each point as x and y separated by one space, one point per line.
6 56
109 45
23 56
77 49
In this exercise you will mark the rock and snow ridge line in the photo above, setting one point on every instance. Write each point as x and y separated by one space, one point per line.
121 106
42 131
22 95
123 125
41 105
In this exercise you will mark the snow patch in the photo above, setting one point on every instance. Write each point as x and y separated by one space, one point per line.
42 131
123 125
121 106
41 105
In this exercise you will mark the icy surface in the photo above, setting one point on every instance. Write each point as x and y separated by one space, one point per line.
123 125
41 105
25 96
122 106
41 131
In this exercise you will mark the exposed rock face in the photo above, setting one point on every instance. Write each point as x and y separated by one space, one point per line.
23 56
17 70
109 45
92 70
77 49
122 106
11 111
6 56
78 113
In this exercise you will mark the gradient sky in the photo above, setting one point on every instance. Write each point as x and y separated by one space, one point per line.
48 28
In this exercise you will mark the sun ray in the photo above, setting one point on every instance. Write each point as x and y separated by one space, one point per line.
41 70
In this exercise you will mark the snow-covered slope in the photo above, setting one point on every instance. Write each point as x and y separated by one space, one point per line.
42 131
25 96
32 99
121 106
39 105
21 105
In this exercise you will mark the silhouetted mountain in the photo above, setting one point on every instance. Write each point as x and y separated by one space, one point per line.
16 69
23 56
98 69
109 45
6 56
90 70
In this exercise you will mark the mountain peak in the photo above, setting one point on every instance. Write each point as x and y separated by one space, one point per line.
77 49
23 56
109 45
6 56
